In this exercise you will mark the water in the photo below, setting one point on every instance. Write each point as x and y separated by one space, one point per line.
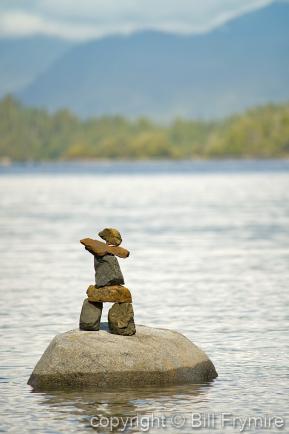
209 257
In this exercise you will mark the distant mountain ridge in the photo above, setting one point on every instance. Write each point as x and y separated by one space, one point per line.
242 64
23 59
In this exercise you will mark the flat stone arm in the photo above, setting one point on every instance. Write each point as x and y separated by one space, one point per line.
99 248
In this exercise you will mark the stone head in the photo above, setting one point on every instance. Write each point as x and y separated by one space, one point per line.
111 236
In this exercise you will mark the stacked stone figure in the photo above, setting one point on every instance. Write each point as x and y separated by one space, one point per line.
108 286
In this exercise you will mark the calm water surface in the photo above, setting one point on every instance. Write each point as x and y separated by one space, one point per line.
209 257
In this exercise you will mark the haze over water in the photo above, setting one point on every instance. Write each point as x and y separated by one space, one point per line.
209 257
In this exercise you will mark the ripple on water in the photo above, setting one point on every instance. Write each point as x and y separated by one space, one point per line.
210 255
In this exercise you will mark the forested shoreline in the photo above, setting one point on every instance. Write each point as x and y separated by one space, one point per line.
32 134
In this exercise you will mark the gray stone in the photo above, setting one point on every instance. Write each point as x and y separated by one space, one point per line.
90 315
121 319
107 271
104 361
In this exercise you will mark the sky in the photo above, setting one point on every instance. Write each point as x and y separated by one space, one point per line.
90 19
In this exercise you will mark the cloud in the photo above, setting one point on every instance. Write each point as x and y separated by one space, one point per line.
18 23
90 19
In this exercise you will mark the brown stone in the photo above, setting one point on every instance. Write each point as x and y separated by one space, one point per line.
112 294
99 248
121 319
111 235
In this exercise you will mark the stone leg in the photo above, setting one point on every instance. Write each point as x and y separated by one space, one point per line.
121 319
90 315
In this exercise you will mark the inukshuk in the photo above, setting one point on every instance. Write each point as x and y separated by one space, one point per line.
108 286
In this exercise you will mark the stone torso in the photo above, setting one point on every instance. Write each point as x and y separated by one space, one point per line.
107 271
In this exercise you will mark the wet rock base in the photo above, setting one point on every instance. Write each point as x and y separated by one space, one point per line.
102 360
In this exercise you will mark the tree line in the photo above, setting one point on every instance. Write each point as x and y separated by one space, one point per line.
35 134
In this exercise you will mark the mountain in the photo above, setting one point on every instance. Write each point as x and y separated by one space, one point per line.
23 59
243 63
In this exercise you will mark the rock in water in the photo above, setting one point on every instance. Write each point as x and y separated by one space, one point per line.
107 271
111 294
90 315
121 319
150 357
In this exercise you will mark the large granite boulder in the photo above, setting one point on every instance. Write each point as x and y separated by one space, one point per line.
101 360
110 294
121 319
107 271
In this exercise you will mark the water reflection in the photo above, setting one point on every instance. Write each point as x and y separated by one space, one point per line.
127 410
